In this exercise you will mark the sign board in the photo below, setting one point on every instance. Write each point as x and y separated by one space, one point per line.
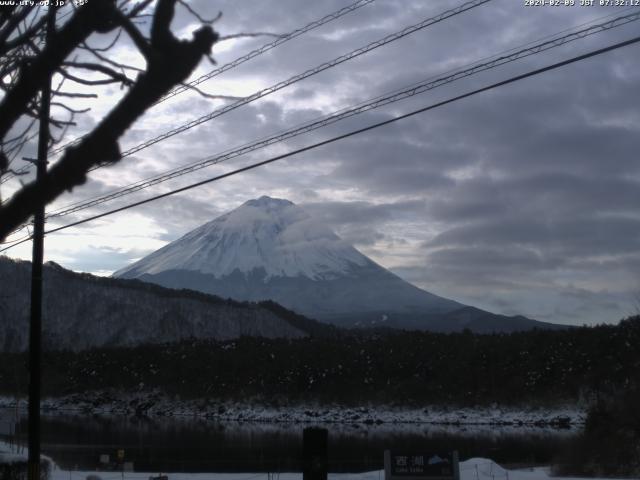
421 465
104 458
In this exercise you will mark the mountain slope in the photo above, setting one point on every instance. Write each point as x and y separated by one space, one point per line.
269 234
271 249
81 311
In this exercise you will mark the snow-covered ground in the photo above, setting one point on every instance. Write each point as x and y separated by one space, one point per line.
155 405
472 469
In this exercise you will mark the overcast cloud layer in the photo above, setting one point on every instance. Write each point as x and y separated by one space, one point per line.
522 200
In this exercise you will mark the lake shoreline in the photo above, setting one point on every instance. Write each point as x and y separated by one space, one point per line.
155 405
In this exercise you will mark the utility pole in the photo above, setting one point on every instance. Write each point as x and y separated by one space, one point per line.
35 326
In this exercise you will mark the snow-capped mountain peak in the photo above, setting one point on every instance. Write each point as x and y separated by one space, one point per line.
271 249
267 236
269 203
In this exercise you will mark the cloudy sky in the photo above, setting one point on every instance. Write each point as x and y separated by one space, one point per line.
522 200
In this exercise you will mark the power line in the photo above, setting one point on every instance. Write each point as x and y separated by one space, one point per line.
267 47
493 86
21 171
377 102
301 76
296 78
414 89
18 240
336 61
248 56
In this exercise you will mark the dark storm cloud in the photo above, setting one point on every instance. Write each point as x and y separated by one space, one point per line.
281 16
548 195
352 213
488 258
362 223
548 143
488 125
182 214
561 242
380 174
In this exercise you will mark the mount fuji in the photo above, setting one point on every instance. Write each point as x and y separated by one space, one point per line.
271 249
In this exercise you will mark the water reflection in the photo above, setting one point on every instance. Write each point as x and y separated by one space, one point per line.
199 445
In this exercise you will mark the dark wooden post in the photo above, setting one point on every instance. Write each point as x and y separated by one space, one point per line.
35 325
315 462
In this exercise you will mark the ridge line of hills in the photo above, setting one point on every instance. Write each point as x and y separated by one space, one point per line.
83 311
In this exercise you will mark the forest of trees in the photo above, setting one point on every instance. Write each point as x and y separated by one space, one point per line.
595 368
395 368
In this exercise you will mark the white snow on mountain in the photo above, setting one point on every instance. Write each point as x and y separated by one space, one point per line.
267 233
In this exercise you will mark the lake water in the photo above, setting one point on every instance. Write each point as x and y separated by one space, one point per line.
196 445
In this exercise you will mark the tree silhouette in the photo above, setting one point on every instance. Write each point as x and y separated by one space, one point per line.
25 64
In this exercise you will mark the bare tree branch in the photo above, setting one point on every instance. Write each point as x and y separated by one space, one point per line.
135 11
140 41
171 61
117 76
197 15
74 95
16 151
23 36
103 81
17 173
20 135
6 14
11 24
111 62
109 46
69 109
94 16
63 131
